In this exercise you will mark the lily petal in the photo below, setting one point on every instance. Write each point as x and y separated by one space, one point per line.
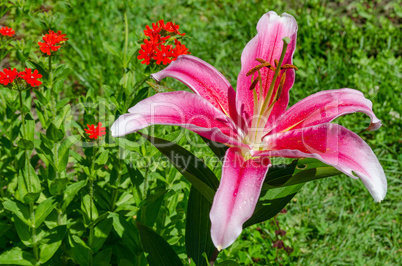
335 146
267 45
205 80
178 108
237 195
325 106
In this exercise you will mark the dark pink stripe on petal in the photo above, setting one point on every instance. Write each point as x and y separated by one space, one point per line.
325 106
205 80
179 108
335 146
267 45
237 195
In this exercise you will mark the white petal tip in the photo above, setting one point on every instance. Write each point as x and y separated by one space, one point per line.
219 248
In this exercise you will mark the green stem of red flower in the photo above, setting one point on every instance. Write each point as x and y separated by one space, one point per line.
136 87
91 201
31 204
125 41
52 93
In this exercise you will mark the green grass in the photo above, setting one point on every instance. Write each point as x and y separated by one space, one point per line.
342 44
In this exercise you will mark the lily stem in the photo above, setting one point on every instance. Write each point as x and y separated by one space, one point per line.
214 257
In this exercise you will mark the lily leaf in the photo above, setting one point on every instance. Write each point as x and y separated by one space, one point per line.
298 172
218 148
198 228
191 167
150 207
160 252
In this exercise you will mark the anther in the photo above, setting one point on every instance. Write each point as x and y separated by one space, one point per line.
262 61
289 66
256 68
276 62
254 83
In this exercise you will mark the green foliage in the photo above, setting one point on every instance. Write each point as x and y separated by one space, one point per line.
67 199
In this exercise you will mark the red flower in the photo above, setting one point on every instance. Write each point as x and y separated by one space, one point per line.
95 132
6 31
155 48
156 28
50 41
146 52
8 76
31 78
163 55
179 49
171 27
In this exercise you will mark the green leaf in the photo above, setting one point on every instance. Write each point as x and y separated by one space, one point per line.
80 250
29 187
62 103
191 167
70 192
33 65
102 159
23 231
160 252
26 144
198 228
58 185
159 88
64 151
298 172
113 51
149 208
103 257
101 233
42 99
86 208
43 210
16 256
53 133
266 209
127 231
29 127
228 263
20 210
218 148
52 243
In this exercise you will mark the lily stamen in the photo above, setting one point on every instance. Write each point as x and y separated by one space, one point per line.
258 67
289 66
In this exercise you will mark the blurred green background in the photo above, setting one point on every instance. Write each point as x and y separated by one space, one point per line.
341 44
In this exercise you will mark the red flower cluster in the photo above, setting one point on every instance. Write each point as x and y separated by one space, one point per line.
51 40
6 31
95 132
7 76
156 49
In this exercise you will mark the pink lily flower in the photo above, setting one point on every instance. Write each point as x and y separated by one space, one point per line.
254 122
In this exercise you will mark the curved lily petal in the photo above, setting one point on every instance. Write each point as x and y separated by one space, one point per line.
335 146
178 108
203 79
325 106
267 45
237 195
